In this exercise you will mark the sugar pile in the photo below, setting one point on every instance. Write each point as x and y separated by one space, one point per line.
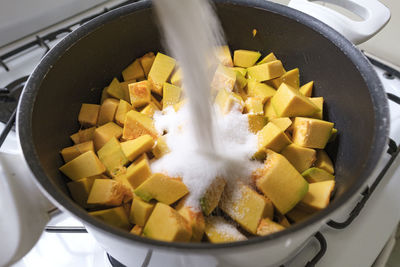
198 170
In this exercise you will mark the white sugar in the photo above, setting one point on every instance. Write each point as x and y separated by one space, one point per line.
196 169
225 229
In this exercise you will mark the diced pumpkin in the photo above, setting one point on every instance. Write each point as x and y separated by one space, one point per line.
319 102
224 56
311 133
134 148
194 218
268 58
228 101
167 224
267 227
115 90
212 195
218 230
146 62
162 188
224 78
133 72
161 147
245 58
139 93
112 156
160 71
281 182
283 123
85 165
291 78
149 110
104 133
306 89
256 122
300 157
107 192
83 135
137 230
315 175
80 190
272 137
261 90
115 217
298 214
107 111
138 172
269 110
266 71
88 115
176 78
140 211
123 108
69 153
246 206
318 195
324 161
171 95
254 105
137 124
288 102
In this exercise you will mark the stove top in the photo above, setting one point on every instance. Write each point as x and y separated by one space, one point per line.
66 243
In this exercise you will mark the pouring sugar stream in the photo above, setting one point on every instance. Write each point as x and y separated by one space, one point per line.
204 143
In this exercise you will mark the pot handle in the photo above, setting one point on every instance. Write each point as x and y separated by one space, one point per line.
374 16
24 210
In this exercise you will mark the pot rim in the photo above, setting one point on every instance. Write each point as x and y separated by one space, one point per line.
29 94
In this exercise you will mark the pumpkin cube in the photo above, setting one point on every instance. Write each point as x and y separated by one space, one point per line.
80 190
218 230
267 227
266 71
140 211
88 115
256 122
133 72
272 137
324 161
257 89
306 89
137 124
224 56
112 156
245 58
161 148
85 165
160 71
146 62
311 133
140 94
300 157
107 111
115 217
134 148
291 78
107 192
83 135
194 218
318 196
171 95
268 58
104 133
224 78
123 108
212 196
69 153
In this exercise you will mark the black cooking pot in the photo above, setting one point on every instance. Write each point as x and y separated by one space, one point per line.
84 62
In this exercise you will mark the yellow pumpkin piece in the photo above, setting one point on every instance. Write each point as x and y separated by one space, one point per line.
256 122
282 220
272 137
333 135
179 105
311 133
291 78
300 157
115 90
194 218
171 95
161 148
288 102
160 71
268 58
156 102
149 110
224 78
319 102
140 211
115 217
167 224
69 153
257 89
133 72
298 214
267 227
245 58
240 83
212 196
224 56
138 124
140 94
242 71
125 89
112 156
246 206
80 190
318 196
269 110
104 95
266 71
162 188
280 182
138 172
228 101
315 175
254 105
137 230
104 133
176 78
107 111
218 230
306 89
283 123
146 62
107 192
83 135
85 165
134 148
324 162
88 115
123 108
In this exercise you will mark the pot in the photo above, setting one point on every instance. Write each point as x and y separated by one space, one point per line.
78 67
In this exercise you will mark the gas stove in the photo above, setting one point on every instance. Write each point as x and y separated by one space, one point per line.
361 232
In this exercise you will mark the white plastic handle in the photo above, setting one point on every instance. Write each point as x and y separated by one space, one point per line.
374 16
